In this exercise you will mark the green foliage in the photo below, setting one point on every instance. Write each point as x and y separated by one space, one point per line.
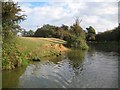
29 33
45 31
11 18
91 30
90 34
111 35
12 57
75 36
76 29
65 27
62 34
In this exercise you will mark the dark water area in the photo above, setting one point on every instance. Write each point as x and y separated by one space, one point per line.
105 46
94 68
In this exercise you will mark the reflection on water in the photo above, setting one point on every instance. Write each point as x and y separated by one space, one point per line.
105 46
77 69
10 78
76 58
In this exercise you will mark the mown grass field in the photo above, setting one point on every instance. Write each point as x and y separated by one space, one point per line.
40 47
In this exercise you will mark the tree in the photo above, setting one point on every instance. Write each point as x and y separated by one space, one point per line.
27 33
11 18
45 31
110 35
91 30
76 28
30 33
91 33
77 37
62 32
65 27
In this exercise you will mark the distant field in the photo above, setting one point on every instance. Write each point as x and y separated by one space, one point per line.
53 40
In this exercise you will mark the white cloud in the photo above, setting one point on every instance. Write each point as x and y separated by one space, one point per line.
26 10
50 12
66 0
107 9
91 19
101 16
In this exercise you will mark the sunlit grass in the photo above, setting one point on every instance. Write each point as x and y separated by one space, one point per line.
38 47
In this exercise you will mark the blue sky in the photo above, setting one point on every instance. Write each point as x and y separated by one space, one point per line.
34 4
101 15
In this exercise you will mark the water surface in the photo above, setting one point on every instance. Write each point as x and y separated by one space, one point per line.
77 69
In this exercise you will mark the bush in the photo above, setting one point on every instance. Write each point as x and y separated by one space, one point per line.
12 57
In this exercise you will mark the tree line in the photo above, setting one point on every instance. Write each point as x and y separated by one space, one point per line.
74 35
111 35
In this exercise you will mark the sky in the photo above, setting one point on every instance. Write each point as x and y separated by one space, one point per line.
101 15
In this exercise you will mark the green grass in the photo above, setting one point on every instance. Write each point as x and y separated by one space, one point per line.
28 48
37 47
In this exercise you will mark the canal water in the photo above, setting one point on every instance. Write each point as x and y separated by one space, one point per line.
94 68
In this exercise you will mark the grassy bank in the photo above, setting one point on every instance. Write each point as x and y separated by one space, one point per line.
32 49
40 47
